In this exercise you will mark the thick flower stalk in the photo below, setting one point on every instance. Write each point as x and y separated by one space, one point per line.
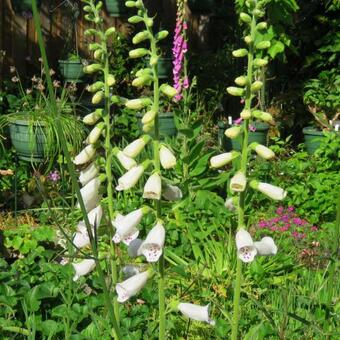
247 88
179 49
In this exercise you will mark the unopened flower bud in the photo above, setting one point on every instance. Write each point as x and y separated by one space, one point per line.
98 54
141 81
89 69
167 159
235 91
154 60
233 132
248 40
261 25
245 17
262 151
242 52
149 117
256 86
148 127
162 35
258 13
259 62
140 36
97 86
135 19
95 133
111 80
261 115
245 114
241 81
137 104
138 53
263 45
110 31
223 159
168 90
93 117
98 97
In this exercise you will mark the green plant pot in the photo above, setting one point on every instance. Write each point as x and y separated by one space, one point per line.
223 141
164 67
312 138
259 136
29 146
71 70
201 6
167 125
116 8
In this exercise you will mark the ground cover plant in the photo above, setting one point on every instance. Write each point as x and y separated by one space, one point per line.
141 235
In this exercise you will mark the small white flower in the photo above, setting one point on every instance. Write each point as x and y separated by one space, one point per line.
223 159
90 194
126 161
233 132
263 151
246 251
134 149
87 174
126 226
149 117
196 312
172 192
83 268
153 187
238 182
95 133
168 160
231 203
272 191
266 246
95 216
131 286
85 155
152 247
81 239
129 179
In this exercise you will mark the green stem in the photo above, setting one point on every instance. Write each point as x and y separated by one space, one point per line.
161 279
241 207
72 169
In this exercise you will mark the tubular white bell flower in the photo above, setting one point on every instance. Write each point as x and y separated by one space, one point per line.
233 132
263 151
231 203
95 133
129 179
88 173
153 187
266 246
90 194
246 250
152 247
171 192
272 191
85 155
131 286
196 312
167 158
238 182
126 226
126 161
83 268
223 159
134 149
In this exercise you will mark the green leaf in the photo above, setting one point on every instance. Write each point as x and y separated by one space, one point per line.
276 48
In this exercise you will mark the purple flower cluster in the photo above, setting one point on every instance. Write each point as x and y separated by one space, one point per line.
180 47
287 221
54 176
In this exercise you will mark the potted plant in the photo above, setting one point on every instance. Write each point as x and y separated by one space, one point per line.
72 68
32 122
116 8
323 101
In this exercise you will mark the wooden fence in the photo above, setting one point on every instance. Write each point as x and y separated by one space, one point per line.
19 40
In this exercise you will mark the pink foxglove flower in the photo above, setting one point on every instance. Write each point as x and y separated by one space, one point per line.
196 312
132 286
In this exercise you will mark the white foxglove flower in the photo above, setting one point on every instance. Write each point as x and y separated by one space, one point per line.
246 250
149 117
90 194
233 132
126 161
87 174
85 155
81 239
231 203
272 191
129 271
95 133
263 151
167 158
266 246
134 149
172 192
196 312
153 187
129 179
152 247
238 182
134 246
126 226
223 159
95 216
83 268
131 286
